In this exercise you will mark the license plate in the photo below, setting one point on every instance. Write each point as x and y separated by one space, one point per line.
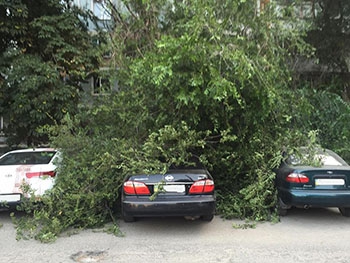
329 181
10 198
174 188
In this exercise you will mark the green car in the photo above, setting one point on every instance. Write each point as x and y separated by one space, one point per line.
313 178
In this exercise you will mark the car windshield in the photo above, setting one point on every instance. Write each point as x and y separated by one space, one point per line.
42 157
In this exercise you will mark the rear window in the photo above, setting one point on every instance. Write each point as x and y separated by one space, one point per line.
317 158
27 158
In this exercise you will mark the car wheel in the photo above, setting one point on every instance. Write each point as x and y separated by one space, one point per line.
282 212
281 208
345 211
128 219
207 218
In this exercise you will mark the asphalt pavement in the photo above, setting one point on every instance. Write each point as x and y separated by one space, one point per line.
314 235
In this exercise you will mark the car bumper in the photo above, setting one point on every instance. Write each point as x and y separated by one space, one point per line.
316 198
10 200
191 206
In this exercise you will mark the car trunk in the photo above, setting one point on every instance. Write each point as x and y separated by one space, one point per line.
170 184
14 176
337 179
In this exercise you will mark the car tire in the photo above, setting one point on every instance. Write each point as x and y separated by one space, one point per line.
345 211
282 212
128 219
281 208
207 218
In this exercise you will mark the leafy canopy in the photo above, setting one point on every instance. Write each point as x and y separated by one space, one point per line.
45 51
207 84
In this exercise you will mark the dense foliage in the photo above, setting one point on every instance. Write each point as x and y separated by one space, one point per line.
321 83
199 82
327 114
331 33
45 51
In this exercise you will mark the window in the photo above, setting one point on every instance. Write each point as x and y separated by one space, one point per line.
101 10
103 82
27 158
101 85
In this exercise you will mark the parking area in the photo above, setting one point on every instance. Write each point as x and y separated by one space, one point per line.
315 235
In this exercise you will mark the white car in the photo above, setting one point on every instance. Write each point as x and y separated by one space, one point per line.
32 167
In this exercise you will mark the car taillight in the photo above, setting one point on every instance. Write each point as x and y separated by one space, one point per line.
202 187
40 174
135 188
297 178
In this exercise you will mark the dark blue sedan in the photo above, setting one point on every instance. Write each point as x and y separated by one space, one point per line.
313 178
184 192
